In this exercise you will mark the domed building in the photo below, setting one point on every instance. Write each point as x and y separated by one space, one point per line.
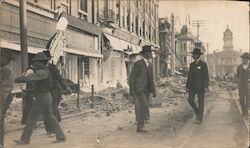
225 62
184 47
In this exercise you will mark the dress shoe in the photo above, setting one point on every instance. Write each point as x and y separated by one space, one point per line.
21 142
59 140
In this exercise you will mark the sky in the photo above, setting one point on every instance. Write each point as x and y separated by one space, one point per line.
216 15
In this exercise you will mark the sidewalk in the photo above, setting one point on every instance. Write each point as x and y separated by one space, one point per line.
222 127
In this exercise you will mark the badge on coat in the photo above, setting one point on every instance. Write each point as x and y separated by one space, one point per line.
198 67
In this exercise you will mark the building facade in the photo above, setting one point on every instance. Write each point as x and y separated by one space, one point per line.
127 26
82 37
225 62
102 36
184 47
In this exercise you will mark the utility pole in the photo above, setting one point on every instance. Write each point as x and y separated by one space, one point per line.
172 45
198 24
23 34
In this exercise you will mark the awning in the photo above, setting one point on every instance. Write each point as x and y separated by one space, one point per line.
117 44
17 47
91 53
122 45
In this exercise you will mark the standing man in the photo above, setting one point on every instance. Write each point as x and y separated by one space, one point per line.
56 91
43 102
242 77
6 86
141 84
197 84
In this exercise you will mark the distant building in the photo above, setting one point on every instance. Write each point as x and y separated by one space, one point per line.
184 47
225 62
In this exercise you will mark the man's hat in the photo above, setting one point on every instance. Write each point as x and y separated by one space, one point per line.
245 56
197 51
146 48
47 53
40 56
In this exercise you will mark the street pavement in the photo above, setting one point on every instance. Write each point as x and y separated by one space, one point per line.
171 126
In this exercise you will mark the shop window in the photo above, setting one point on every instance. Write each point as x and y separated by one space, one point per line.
86 66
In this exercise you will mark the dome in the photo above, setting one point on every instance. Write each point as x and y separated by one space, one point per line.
228 32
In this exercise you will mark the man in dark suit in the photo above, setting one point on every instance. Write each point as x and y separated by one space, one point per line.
56 91
197 84
141 84
242 77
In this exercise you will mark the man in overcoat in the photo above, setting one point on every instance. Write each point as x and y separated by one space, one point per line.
43 102
56 91
141 84
242 77
197 84
6 86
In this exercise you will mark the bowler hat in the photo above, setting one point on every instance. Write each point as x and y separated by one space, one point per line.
197 51
146 48
40 56
245 56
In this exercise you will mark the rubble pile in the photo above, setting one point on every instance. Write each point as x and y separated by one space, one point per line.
108 100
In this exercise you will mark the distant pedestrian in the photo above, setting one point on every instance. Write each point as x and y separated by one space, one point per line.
43 102
6 86
197 84
58 83
141 84
242 77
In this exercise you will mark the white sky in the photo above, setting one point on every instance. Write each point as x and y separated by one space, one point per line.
216 16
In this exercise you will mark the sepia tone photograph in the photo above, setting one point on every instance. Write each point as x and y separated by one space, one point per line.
124 74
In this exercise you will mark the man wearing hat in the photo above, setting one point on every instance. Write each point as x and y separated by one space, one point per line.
56 91
43 102
141 84
6 86
242 77
197 84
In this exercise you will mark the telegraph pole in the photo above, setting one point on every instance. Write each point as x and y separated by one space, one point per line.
23 34
172 45
198 24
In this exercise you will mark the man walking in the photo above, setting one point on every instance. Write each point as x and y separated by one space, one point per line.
141 84
56 91
6 86
42 106
197 84
242 77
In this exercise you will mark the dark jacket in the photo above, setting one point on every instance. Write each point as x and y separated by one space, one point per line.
242 77
41 79
57 80
141 78
198 78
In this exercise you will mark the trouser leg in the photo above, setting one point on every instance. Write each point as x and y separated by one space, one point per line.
142 109
201 105
34 115
191 98
28 104
54 123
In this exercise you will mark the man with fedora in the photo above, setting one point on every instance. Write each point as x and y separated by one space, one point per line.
141 84
43 102
6 86
197 84
56 91
242 77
